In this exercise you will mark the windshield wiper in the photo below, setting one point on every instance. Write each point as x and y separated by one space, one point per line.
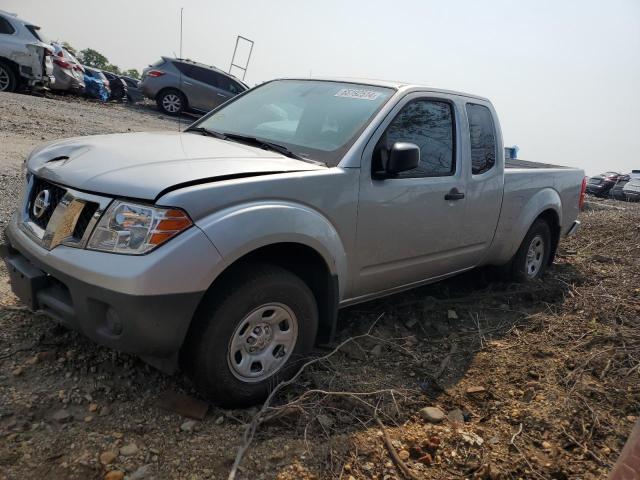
207 132
264 145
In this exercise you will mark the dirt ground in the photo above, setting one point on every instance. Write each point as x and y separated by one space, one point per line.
538 381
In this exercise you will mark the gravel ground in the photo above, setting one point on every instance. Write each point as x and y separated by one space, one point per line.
522 382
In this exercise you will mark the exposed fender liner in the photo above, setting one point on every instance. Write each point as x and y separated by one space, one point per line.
329 313
221 178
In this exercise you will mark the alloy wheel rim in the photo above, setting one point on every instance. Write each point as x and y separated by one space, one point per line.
171 103
4 79
262 342
535 256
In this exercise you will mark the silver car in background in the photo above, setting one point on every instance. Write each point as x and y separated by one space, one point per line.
632 189
179 85
25 55
67 70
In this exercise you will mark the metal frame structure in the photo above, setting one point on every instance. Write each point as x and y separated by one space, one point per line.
233 58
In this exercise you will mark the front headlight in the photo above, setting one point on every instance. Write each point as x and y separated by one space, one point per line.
135 228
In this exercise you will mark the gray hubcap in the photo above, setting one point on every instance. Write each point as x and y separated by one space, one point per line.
171 103
262 342
535 256
4 79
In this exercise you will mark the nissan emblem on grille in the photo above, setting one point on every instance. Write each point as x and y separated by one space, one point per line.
41 203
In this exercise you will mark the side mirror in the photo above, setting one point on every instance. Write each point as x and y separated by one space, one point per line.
402 157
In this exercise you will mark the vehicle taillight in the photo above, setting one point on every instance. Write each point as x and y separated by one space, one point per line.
62 63
155 73
583 190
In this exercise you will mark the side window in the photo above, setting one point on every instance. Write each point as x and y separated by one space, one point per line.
483 138
207 76
229 85
6 27
428 124
185 69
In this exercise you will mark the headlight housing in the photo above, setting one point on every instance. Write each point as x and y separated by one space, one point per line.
136 229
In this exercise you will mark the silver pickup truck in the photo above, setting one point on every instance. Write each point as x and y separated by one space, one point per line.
228 248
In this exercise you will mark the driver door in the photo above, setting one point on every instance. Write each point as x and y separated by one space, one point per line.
409 230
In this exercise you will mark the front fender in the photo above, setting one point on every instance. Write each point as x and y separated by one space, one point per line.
517 216
241 229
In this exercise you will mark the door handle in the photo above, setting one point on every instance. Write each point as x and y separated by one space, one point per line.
454 194
221 95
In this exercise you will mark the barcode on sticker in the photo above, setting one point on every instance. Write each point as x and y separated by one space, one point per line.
358 93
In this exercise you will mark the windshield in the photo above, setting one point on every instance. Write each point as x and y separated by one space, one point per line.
314 119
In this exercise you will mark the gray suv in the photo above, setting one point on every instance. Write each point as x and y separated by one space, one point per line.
183 85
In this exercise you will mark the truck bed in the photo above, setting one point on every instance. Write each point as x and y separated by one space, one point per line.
519 163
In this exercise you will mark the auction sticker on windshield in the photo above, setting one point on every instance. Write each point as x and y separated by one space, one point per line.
360 93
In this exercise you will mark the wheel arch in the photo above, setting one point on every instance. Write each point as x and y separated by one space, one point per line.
302 260
517 218
551 217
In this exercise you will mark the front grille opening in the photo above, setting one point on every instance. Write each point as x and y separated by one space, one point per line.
55 195
84 219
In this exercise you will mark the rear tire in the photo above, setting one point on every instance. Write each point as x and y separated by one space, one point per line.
171 101
532 258
251 333
8 78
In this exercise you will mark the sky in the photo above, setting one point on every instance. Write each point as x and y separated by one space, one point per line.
564 75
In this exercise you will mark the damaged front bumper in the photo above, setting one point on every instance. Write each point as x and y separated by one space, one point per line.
129 303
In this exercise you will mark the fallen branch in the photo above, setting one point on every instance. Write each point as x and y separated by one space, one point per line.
250 431
392 451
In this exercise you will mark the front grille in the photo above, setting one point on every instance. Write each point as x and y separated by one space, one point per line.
55 195
61 216
85 217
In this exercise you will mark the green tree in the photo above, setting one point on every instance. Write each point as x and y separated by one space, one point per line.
113 69
94 59
132 72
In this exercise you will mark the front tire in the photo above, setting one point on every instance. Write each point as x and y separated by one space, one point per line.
172 102
8 79
250 334
532 258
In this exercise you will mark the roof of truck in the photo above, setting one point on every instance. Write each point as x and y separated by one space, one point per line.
391 84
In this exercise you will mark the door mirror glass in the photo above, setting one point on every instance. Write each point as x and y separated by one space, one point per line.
402 157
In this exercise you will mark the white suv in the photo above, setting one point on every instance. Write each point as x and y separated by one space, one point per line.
25 55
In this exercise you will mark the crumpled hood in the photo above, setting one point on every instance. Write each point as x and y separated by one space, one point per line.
142 165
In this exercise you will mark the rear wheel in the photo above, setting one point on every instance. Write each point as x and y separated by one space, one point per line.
171 102
252 333
532 258
8 79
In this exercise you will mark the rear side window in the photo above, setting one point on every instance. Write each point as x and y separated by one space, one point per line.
483 138
6 27
184 68
37 33
228 85
428 124
205 76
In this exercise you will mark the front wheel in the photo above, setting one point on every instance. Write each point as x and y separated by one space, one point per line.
532 258
251 334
